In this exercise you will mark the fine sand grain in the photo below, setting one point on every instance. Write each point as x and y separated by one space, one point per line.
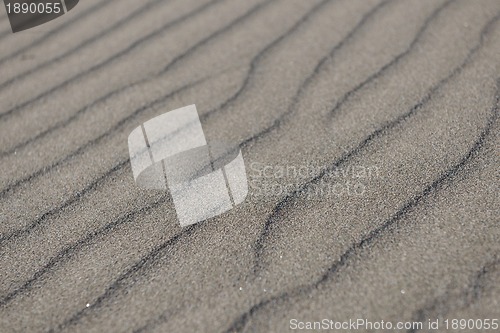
370 135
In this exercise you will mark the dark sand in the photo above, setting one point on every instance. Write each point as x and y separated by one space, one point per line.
407 89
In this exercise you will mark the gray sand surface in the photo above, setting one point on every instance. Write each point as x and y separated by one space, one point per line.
393 103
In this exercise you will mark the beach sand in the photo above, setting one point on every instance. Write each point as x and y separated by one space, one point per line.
370 135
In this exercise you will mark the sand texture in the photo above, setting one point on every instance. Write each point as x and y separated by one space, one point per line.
392 104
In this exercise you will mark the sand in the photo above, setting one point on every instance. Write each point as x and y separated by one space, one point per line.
370 135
